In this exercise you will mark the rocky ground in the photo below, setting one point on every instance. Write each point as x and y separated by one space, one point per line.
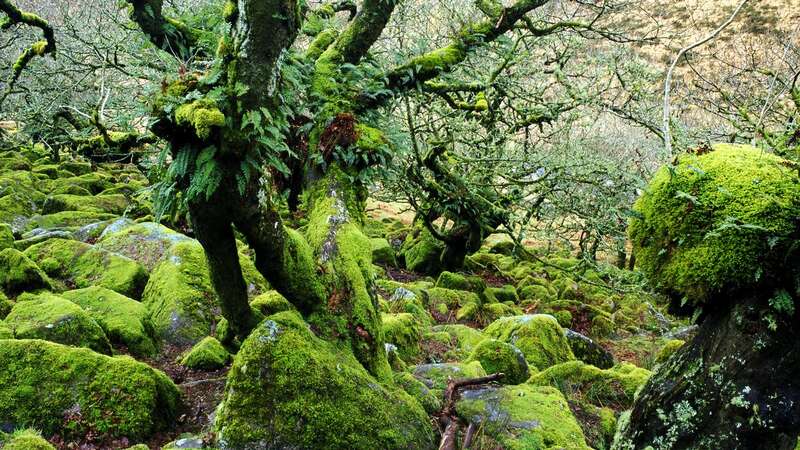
109 328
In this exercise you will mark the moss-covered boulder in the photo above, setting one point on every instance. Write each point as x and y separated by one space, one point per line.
500 357
207 354
522 417
56 319
539 336
428 398
466 338
27 439
435 376
19 274
289 389
507 293
589 351
382 252
111 204
404 331
422 252
180 296
67 220
457 281
717 222
125 321
75 391
145 242
82 265
609 387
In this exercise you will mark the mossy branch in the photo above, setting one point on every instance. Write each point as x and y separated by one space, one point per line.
40 48
165 33
428 66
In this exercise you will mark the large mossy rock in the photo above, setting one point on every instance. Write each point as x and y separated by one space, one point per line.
521 417
145 242
111 204
501 357
719 222
68 220
289 389
74 391
208 354
125 321
82 265
19 274
614 387
56 319
6 236
422 252
539 336
180 296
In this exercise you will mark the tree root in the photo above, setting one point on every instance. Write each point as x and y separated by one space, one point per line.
448 418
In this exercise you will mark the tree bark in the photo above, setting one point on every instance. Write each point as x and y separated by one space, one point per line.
734 386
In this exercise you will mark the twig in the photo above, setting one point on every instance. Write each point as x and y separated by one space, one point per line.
449 417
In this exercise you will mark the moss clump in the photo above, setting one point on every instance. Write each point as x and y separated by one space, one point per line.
610 387
522 417
422 251
457 281
506 293
27 439
6 236
289 389
668 350
538 336
500 357
83 265
180 297
382 252
68 219
466 338
202 115
144 242
429 399
271 302
19 274
53 318
125 321
74 391
207 354
111 204
720 221
404 332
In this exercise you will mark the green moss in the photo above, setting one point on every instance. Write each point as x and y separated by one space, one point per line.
28 439
538 336
466 338
404 332
610 387
720 221
564 318
76 167
19 274
203 115
6 236
111 204
522 417
536 292
271 302
83 265
145 242
435 376
125 321
53 318
207 354
668 350
500 357
457 281
68 219
5 305
422 252
179 295
426 397
450 298
382 252
506 293
289 388
72 391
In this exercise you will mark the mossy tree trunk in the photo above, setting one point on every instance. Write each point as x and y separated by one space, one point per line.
733 386
217 126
